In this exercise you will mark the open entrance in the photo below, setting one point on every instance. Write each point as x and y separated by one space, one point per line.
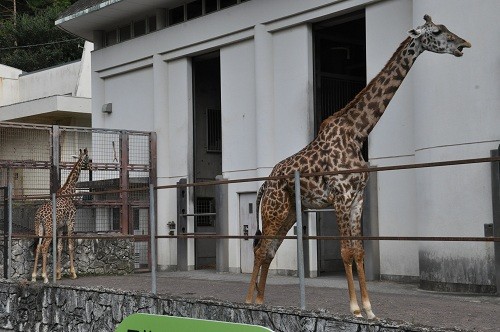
340 73
207 151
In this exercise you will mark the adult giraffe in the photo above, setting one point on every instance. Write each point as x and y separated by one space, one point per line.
338 147
65 215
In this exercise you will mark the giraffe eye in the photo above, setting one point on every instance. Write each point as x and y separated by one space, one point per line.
437 32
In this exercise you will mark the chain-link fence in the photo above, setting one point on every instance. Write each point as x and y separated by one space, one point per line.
36 160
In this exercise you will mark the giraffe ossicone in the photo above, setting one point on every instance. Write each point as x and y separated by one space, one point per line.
338 147
65 216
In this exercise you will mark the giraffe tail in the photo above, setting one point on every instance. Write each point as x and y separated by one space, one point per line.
259 198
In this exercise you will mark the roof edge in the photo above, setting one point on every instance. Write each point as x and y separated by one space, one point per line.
69 14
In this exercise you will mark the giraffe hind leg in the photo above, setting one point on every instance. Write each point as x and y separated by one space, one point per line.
37 255
253 281
59 254
71 243
38 248
45 251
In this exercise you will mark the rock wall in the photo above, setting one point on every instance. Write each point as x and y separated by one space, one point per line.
36 307
92 257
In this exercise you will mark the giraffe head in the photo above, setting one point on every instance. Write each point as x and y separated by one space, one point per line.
84 158
438 39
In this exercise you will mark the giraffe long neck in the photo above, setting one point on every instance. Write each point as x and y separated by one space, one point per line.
368 106
69 186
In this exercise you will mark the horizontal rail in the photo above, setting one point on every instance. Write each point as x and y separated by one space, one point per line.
255 179
198 214
288 237
346 171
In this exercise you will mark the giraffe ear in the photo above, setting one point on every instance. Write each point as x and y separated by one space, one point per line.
415 33
85 151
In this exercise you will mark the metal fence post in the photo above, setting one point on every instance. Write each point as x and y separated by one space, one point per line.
5 232
300 244
221 226
152 231
10 192
182 244
495 191
54 237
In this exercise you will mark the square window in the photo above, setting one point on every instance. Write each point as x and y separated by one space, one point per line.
176 15
125 33
205 205
152 23
210 6
139 28
110 37
227 3
194 9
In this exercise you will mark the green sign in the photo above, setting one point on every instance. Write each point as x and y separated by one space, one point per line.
157 323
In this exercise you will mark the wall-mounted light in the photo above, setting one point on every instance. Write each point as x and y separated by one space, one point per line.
107 108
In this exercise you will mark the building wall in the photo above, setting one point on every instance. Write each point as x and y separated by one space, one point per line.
9 84
267 112
456 117
396 190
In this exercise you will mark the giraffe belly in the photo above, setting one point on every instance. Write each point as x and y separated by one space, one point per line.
315 201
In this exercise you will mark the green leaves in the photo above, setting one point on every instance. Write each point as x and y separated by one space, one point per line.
30 40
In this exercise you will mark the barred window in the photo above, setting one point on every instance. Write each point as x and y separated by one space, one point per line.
205 205
214 131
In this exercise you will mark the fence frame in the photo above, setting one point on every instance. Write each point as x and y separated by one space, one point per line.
153 237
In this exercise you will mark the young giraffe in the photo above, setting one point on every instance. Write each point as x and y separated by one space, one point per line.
338 147
65 215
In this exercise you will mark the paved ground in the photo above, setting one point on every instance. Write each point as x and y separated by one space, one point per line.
395 301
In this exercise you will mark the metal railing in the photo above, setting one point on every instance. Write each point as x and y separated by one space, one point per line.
300 237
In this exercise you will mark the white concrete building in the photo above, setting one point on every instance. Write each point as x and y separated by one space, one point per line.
264 74
58 95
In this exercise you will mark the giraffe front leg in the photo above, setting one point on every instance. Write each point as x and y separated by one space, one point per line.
45 250
365 300
347 258
71 249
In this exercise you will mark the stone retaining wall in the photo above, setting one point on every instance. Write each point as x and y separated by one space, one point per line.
36 307
92 257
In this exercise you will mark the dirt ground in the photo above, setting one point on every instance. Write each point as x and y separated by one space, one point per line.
390 300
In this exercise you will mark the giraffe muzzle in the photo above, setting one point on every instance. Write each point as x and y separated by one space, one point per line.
459 51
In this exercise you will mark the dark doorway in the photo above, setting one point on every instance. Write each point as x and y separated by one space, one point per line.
207 151
339 74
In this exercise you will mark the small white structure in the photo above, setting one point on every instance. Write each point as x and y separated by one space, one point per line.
58 95
232 87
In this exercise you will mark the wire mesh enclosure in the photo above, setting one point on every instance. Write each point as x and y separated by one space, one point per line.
36 160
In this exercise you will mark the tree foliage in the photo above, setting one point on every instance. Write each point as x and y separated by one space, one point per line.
29 39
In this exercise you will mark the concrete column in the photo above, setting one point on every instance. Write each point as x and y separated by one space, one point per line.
98 99
160 123
264 99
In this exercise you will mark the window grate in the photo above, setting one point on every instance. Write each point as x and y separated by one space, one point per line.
205 205
214 131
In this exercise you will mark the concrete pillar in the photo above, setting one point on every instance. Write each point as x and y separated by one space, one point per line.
264 99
